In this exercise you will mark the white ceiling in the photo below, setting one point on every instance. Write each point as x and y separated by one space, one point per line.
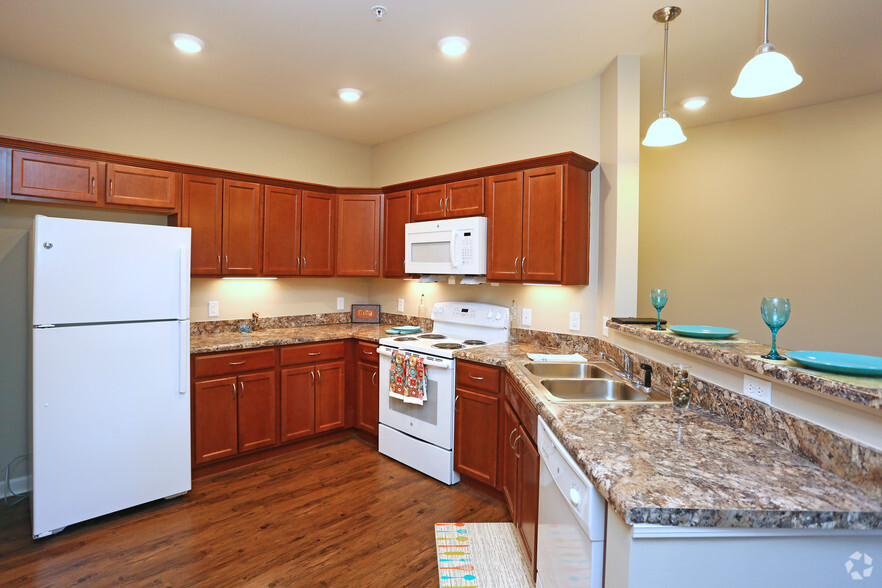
283 60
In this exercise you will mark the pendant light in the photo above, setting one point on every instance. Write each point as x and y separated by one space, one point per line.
767 73
665 130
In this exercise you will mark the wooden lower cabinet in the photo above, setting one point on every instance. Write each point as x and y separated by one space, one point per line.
368 397
528 493
298 403
509 485
330 398
476 427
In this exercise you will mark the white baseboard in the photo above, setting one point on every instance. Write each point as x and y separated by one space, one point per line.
19 485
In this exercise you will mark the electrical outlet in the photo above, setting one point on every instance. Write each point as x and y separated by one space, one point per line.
451 279
575 321
758 389
526 317
401 305
213 308
339 303
605 328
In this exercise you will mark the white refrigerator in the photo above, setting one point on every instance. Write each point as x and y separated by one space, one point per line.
109 393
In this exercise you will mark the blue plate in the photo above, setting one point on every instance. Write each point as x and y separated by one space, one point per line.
839 363
702 331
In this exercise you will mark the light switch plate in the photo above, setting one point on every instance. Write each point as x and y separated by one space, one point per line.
605 328
526 317
575 321
339 303
213 308
401 305
758 389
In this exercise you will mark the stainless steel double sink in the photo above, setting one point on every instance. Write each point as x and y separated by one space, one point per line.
587 382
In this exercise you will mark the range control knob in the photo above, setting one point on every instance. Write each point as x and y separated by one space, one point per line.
499 315
489 314
439 310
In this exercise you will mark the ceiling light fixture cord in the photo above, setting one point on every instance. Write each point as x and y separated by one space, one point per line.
766 27
665 74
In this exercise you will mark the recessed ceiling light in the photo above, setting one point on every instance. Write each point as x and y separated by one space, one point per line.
188 43
349 94
694 102
453 46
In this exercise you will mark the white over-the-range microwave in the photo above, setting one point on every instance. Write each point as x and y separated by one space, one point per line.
453 246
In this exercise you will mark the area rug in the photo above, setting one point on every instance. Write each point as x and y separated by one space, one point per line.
480 555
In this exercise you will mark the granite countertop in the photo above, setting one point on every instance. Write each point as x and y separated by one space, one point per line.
651 463
745 354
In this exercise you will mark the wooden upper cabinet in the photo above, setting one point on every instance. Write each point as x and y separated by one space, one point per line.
504 216
202 211
51 176
358 234
139 186
543 224
427 203
242 234
396 214
281 231
317 235
465 198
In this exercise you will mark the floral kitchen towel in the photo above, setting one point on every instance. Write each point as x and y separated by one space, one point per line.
407 378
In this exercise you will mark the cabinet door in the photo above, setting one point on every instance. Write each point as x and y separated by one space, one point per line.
317 235
214 419
358 235
257 411
427 203
528 493
53 176
543 224
330 403
504 214
298 403
202 211
139 186
396 214
465 198
368 395
510 462
476 427
242 233
281 231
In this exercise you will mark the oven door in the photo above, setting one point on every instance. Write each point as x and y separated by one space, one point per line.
433 420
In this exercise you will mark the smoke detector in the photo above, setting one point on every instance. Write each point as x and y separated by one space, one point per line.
379 11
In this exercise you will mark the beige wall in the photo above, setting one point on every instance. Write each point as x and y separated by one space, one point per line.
787 204
50 106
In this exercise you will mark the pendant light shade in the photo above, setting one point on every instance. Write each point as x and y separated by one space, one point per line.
665 130
769 72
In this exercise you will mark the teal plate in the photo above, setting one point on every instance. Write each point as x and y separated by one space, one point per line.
839 363
702 331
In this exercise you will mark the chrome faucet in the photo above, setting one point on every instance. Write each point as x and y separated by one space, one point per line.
625 366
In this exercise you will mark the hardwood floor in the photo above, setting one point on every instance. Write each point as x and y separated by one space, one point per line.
337 515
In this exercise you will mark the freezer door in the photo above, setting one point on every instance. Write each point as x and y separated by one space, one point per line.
95 272
110 419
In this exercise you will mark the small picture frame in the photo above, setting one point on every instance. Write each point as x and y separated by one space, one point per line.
365 313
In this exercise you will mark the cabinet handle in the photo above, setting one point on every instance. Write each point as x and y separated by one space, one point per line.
516 264
111 187
517 455
374 378
475 377
510 442
298 264
312 376
242 389
319 372
238 362
523 259
218 261
304 262
441 205
234 390
446 205
92 186
314 353
367 352
226 261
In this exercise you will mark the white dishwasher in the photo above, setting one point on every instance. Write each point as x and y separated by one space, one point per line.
572 520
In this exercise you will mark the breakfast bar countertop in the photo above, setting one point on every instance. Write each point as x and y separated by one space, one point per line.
652 464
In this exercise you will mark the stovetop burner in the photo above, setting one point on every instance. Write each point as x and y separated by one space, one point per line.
432 336
448 346
405 338
474 342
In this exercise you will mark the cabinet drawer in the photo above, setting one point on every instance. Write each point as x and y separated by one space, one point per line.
313 352
366 352
523 408
233 363
477 376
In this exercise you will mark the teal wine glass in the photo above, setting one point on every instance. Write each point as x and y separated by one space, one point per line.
659 298
775 312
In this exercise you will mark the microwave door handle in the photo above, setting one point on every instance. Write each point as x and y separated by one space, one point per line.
454 253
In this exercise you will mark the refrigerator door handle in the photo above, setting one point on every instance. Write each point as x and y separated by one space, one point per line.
185 280
184 384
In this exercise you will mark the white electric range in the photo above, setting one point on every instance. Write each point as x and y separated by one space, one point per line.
421 436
